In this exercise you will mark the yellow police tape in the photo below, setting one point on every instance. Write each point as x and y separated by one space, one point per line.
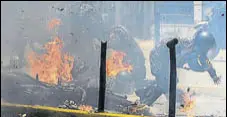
76 112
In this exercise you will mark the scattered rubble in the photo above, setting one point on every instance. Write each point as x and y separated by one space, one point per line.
135 108
22 115
70 104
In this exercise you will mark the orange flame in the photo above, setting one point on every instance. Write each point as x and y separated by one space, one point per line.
115 64
53 23
52 65
85 108
189 104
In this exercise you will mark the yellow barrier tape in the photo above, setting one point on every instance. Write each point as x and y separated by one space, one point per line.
86 114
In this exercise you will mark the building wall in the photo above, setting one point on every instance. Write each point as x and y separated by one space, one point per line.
197 11
184 31
175 12
155 20
174 19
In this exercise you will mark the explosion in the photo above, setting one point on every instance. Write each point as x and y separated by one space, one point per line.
115 65
53 65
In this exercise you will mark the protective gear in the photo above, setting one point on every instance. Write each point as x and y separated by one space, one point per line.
193 52
204 42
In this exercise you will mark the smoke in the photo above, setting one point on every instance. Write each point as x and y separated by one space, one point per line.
26 22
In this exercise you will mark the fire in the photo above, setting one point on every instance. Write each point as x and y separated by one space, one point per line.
85 108
115 64
53 65
53 23
189 104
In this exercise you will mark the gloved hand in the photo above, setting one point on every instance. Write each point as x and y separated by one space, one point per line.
217 80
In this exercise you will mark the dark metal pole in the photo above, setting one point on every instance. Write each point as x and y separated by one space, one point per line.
102 80
37 80
37 77
173 73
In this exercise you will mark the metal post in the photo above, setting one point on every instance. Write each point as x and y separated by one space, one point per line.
102 80
173 73
37 77
37 80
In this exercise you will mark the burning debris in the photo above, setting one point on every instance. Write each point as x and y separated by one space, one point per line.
53 65
72 105
125 71
188 103
115 64
86 108
135 108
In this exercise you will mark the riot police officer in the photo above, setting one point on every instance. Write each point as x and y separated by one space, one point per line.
192 52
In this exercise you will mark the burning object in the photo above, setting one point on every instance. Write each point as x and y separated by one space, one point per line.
85 108
115 64
52 65
188 103
135 108
69 104
125 71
